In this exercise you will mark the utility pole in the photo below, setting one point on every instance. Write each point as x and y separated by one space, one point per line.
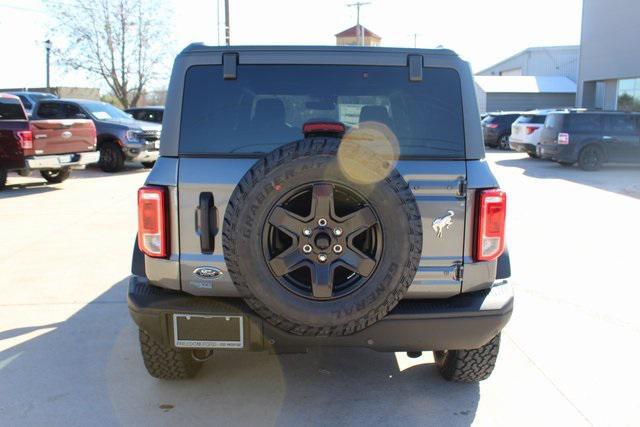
227 31
359 29
47 46
415 39
218 19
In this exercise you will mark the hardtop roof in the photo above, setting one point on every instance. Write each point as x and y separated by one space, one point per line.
201 47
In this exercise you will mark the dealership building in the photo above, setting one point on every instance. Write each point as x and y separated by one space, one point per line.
609 69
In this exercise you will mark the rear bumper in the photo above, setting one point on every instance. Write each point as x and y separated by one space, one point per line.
561 153
59 161
523 147
462 322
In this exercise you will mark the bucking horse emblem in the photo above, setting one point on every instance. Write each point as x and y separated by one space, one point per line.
439 224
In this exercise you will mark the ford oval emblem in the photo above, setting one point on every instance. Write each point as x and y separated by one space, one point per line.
209 273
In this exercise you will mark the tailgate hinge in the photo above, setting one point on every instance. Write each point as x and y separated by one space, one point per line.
462 187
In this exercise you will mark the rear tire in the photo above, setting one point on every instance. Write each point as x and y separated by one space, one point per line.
591 158
166 363
56 176
3 178
111 157
148 165
503 143
533 156
468 366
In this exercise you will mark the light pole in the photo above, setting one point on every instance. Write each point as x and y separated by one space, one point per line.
47 46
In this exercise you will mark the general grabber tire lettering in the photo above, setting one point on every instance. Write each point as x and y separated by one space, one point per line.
166 363
468 366
322 238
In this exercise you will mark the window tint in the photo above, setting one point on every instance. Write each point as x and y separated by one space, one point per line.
531 118
622 125
268 104
51 110
11 109
587 123
72 111
554 121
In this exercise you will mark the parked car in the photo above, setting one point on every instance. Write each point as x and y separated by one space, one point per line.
496 129
147 114
29 99
525 132
273 220
120 137
591 138
53 147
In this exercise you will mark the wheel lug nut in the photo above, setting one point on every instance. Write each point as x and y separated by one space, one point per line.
322 257
322 222
306 232
307 249
337 249
337 231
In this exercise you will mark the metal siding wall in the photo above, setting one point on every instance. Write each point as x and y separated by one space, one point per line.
609 43
549 62
528 101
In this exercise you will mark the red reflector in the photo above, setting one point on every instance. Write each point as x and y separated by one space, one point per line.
563 138
531 129
152 224
323 127
491 218
25 138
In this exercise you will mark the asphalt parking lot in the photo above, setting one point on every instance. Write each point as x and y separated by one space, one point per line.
69 352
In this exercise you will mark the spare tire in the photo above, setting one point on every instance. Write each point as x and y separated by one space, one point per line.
322 239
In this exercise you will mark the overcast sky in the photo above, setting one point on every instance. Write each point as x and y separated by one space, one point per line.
480 31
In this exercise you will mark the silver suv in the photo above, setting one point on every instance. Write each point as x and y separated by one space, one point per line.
320 196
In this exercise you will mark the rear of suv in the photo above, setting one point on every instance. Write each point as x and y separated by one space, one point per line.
496 129
526 130
320 196
591 138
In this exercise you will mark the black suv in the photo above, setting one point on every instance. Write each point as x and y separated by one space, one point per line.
591 138
320 196
496 129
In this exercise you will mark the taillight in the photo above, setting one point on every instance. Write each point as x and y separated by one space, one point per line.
492 125
531 129
563 138
152 221
323 127
492 210
25 138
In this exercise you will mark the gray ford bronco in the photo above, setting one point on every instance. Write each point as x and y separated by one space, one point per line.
320 196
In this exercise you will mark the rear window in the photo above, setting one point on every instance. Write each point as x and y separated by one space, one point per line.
554 121
268 104
11 109
531 119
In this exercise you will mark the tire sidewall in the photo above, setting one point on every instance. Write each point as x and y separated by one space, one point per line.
388 282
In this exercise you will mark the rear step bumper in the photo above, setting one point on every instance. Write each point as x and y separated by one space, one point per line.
462 322
58 161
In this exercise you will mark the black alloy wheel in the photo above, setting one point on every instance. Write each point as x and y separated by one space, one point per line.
322 241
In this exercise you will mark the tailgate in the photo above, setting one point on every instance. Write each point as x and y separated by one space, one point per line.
63 136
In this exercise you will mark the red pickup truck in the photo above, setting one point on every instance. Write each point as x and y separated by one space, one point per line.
53 147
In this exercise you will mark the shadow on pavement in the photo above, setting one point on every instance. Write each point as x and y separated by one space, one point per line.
88 370
26 189
93 171
621 179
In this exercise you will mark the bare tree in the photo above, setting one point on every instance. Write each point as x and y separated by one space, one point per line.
121 41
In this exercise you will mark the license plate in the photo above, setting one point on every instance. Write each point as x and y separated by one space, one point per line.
200 331
64 159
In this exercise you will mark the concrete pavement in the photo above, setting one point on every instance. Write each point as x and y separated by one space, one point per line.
69 353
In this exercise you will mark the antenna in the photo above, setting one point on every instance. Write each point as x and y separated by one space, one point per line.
359 29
